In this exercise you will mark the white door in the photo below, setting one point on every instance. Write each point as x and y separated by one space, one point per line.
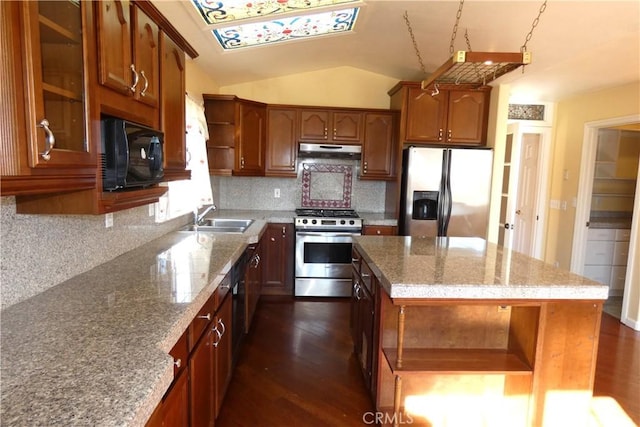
526 214
509 186
520 201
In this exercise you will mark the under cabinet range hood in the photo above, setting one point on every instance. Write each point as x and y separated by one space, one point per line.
330 151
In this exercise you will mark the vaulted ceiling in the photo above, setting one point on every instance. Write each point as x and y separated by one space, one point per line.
578 46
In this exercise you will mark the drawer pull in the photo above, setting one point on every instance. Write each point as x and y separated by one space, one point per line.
208 316
177 363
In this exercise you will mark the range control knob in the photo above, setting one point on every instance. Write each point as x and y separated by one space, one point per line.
352 222
313 221
342 222
304 221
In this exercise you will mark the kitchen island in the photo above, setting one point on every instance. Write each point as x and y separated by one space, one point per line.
467 333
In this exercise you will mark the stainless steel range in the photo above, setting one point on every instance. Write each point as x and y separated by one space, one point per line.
323 251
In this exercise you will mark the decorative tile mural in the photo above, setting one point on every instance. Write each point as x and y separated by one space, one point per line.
526 112
286 28
217 12
326 185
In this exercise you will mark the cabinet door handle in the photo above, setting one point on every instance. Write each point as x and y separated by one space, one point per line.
273 239
49 141
208 316
224 328
135 79
440 135
284 231
146 84
177 363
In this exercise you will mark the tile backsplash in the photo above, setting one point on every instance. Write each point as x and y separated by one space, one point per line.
258 192
326 185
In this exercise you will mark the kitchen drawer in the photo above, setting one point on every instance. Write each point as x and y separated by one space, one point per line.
599 273
180 354
599 252
201 321
221 292
623 235
620 253
356 260
601 234
618 275
367 277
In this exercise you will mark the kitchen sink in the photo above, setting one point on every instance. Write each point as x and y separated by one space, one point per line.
226 223
219 225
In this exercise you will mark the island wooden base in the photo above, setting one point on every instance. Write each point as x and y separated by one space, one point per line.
485 362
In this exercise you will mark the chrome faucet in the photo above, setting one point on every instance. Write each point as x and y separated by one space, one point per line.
198 217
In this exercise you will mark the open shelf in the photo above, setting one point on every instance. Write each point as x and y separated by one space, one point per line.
457 361
51 32
60 92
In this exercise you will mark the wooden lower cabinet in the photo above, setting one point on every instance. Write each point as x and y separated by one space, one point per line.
253 282
363 325
201 382
278 247
203 367
222 352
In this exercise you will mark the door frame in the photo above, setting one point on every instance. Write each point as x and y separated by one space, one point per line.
542 179
585 188
585 185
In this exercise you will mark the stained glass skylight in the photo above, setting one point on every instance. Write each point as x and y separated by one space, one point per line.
296 27
220 12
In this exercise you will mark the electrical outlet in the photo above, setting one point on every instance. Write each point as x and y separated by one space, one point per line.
276 193
152 210
108 220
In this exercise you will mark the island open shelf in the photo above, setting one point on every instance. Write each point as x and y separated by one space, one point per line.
456 361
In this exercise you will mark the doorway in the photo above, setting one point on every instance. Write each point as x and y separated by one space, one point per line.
522 213
605 188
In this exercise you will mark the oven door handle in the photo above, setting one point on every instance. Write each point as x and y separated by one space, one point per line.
327 234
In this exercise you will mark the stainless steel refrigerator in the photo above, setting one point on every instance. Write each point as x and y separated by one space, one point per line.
445 192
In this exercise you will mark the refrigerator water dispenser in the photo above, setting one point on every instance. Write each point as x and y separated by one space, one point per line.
425 205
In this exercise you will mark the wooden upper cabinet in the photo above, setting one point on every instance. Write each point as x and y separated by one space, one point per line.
45 136
314 125
172 109
468 112
347 126
378 147
251 139
449 115
146 54
128 60
282 142
237 135
426 118
330 126
115 45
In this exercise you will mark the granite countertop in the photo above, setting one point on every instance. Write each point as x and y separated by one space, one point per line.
93 351
468 268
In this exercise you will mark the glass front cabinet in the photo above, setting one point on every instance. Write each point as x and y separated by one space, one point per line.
44 90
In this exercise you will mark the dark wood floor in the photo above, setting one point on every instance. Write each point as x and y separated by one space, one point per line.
296 368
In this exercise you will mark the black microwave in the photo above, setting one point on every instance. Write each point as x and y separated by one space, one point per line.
132 154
